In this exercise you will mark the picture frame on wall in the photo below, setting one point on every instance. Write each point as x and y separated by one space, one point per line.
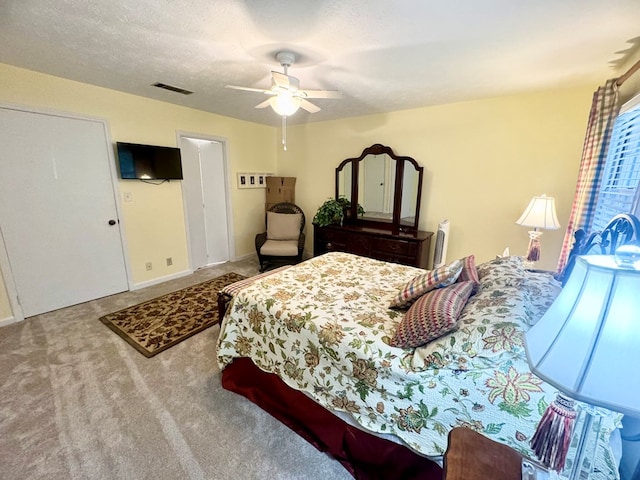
252 180
242 180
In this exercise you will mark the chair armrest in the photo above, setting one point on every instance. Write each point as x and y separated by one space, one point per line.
261 238
301 242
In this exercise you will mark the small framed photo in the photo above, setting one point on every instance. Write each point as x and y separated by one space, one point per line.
252 180
243 181
261 180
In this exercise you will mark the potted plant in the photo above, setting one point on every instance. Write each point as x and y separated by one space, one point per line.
333 211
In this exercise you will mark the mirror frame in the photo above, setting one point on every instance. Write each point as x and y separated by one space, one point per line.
394 226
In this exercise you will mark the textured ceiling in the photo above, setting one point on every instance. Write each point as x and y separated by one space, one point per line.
382 55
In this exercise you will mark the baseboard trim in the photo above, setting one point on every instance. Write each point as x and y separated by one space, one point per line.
155 281
245 257
7 321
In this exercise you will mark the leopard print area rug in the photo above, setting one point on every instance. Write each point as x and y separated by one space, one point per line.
163 322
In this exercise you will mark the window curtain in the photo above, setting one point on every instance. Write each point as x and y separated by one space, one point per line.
604 110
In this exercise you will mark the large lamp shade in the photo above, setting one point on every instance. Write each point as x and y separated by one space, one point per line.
540 213
588 343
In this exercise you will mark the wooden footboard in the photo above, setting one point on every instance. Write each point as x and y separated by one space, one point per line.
223 303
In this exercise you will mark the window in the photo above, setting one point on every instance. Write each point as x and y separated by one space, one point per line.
619 192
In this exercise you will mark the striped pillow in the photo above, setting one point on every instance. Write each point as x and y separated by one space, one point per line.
440 277
432 315
469 271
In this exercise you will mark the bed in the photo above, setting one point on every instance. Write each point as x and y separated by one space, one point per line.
311 344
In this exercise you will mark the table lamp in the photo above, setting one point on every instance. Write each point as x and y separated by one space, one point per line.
588 346
540 213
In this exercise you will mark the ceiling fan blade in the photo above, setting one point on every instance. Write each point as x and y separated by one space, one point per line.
248 89
321 93
286 82
308 106
264 104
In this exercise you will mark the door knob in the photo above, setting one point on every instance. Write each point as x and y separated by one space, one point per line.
112 222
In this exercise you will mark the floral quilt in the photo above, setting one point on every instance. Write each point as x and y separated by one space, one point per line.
324 327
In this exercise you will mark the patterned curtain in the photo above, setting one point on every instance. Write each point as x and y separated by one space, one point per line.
604 111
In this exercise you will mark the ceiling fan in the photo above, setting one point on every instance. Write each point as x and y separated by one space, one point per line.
285 94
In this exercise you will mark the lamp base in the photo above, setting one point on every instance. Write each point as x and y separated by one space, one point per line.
532 470
533 251
584 443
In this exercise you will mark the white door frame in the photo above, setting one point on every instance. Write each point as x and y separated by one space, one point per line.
5 264
227 192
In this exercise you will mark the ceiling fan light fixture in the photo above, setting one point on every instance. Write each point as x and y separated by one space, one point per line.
285 104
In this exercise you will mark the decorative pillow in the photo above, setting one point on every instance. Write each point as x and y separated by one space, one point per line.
432 315
418 286
502 272
469 271
283 226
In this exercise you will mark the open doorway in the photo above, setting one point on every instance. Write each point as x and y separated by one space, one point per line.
207 200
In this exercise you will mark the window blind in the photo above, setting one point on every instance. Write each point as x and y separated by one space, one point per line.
619 191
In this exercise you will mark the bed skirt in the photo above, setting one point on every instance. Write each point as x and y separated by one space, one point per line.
364 455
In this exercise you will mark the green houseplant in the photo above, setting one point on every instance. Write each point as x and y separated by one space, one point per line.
333 211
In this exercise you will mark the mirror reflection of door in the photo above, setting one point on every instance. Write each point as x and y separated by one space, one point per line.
373 191
376 186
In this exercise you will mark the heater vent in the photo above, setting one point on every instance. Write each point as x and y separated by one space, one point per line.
442 242
172 88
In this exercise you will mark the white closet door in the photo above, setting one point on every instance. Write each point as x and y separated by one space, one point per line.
192 191
205 197
56 205
212 162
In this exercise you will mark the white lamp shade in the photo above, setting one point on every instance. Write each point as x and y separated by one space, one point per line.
285 104
540 213
588 343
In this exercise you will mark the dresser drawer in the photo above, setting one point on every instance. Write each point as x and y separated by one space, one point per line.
407 249
334 236
392 258
395 247
359 244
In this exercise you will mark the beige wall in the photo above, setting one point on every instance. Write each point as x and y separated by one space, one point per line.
154 222
631 87
483 162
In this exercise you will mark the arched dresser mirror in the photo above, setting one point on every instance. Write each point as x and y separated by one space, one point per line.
388 187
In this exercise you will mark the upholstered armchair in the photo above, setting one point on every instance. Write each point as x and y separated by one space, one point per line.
283 242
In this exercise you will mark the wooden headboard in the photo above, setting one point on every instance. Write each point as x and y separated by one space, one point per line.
622 229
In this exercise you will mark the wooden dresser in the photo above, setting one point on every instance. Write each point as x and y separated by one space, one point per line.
406 248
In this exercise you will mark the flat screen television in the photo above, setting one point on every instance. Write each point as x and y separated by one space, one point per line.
149 162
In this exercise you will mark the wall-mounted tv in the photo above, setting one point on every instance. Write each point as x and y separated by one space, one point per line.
148 162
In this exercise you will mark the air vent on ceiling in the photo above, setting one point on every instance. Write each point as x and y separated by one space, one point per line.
172 88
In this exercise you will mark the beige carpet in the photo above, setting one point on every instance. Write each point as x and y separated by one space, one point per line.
153 326
77 403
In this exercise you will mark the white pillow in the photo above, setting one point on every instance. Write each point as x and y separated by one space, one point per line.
283 226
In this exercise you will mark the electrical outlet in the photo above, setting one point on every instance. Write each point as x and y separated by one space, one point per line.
149 265
169 261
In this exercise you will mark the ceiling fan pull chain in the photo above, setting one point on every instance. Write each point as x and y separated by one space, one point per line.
284 132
